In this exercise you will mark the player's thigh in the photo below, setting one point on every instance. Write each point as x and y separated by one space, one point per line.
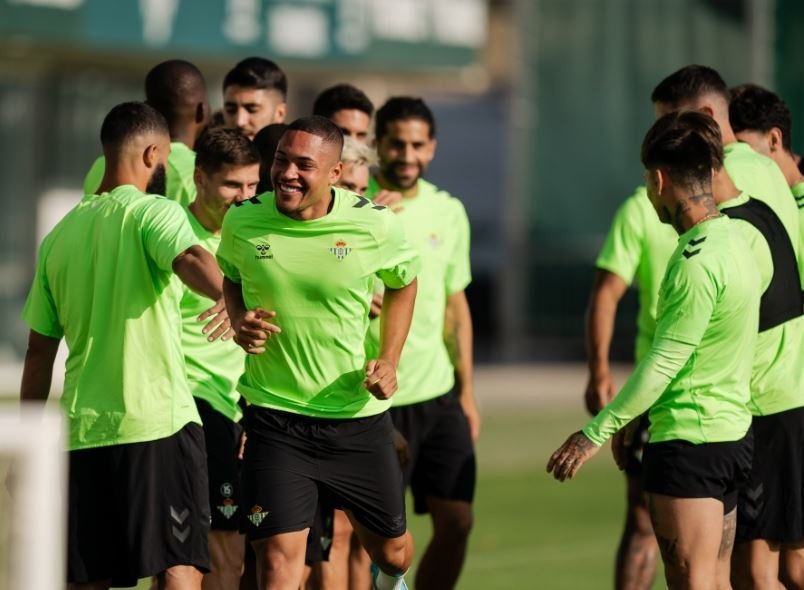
689 530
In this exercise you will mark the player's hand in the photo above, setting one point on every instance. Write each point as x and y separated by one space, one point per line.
376 305
391 199
252 331
219 326
402 449
569 457
380 379
621 443
472 413
599 392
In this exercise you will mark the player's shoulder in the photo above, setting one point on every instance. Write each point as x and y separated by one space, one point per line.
364 214
242 211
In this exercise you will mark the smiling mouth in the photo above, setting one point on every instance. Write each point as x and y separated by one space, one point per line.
288 188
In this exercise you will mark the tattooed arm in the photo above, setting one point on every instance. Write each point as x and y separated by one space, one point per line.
458 338
569 457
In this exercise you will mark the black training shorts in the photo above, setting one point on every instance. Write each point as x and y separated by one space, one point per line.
709 470
137 509
222 438
291 460
771 506
442 455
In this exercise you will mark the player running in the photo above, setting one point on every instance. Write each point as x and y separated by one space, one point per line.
254 95
317 423
435 408
138 502
176 89
695 377
227 172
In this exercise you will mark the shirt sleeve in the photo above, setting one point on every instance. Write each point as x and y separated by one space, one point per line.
459 269
398 261
40 311
225 253
166 232
686 302
622 249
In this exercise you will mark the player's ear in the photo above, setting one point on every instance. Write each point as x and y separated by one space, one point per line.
201 112
198 177
281 112
775 139
150 156
335 172
707 110
660 178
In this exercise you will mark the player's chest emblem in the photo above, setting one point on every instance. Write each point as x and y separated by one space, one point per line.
435 241
263 251
341 250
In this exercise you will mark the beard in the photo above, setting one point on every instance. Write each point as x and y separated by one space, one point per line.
157 185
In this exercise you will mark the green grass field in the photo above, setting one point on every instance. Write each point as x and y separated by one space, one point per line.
530 531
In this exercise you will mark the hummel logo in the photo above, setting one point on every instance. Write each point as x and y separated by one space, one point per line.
253 200
800 202
690 253
263 252
363 201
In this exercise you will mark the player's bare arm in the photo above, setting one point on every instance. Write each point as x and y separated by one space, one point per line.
251 331
607 291
37 372
397 312
569 457
458 338
198 270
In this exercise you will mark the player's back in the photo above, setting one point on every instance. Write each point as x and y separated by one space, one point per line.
106 267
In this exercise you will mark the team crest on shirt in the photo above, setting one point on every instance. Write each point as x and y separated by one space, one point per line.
228 508
435 241
257 515
263 251
341 250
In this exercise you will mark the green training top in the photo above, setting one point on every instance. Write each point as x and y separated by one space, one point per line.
104 282
761 177
437 227
776 376
695 378
317 275
637 249
213 368
798 195
180 170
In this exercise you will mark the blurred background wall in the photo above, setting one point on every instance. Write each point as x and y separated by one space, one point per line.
541 107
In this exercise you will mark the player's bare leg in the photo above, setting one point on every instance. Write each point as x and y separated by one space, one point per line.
638 551
333 574
726 549
359 564
791 568
755 565
689 532
442 561
180 577
392 555
227 551
280 560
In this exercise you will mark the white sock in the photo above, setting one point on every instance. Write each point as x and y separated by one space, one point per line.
388 582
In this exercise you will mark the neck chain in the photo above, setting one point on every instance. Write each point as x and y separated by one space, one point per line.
707 218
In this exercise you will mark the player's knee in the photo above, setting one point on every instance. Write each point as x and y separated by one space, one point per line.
454 522
180 576
791 575
394 556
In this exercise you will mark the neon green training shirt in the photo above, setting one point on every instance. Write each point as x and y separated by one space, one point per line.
777 375
180 169
637 249
213 368
104 283
437 227
761 178
695 378
318 277
798 195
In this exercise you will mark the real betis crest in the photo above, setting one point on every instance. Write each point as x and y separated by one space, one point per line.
229 508
257 515
340 250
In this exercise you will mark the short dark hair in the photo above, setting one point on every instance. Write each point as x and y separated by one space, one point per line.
221 147
320 127
687 145
174 88
340 97
400 108
688 83
266 141
753 108
127 121
257 72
